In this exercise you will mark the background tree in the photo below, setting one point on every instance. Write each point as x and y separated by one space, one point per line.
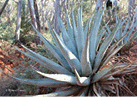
37 14
10 9
43 15
33 18
18 22
57 14
32 13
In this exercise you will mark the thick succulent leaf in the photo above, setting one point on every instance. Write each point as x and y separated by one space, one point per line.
45 82
112 48
93 36
70 32
85 61
102 51
69 56
46 60
119 33
67 40
80 34
59 77
66 92
50 29
54 51
75 32
69 28
126 28
132 37
117 20
54 67
111 55
124 21
87 27
108 29
81 81
99 38
127 38
115 46
101 73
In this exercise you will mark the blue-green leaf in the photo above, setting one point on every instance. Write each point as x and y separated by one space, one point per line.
79 38
65 92
70 30
93 36
107 59
54 67
50 29
45 82
104 47
67 40
59 77
56 52
85 61
99 38
130 32
81 81
69 56
75 32
101 73
87 27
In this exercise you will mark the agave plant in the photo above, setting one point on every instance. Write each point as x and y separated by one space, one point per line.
85 56
121 32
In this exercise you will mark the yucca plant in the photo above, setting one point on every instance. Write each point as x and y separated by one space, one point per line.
86 59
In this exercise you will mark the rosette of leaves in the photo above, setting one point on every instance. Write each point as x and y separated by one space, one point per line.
123 29
85 56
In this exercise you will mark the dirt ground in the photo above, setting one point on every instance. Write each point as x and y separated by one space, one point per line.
8 83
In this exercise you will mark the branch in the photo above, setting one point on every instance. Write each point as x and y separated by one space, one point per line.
3 7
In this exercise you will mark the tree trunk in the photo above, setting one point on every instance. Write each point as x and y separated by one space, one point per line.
43 15
131 7
37 14
10 9
99 4
57 14
33 19
18 22
32 13
3 7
